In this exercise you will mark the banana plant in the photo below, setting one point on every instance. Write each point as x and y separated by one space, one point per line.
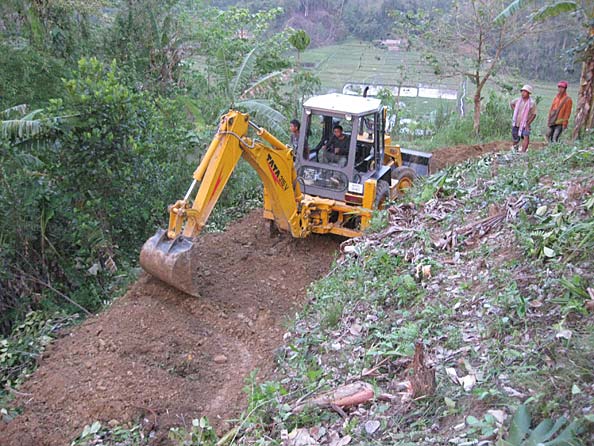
20 125
243 92
546 11
546 433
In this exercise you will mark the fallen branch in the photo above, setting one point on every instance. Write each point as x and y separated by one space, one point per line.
480 228
59 293
404 221
344 396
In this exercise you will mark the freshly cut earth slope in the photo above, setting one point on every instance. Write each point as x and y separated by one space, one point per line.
448 156
160 354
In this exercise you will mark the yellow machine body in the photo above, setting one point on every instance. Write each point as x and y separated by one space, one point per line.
168 254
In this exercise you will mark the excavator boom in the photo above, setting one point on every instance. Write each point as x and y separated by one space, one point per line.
169 255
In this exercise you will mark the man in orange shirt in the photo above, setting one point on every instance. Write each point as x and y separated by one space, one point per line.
559 113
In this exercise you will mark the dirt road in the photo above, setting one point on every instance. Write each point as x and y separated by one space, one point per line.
168 357
456 154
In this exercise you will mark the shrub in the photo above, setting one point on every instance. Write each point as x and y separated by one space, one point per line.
78 201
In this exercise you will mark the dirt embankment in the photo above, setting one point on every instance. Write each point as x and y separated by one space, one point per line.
448 156
169 357
162 355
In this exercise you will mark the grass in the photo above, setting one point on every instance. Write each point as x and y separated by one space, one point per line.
358 61
496 308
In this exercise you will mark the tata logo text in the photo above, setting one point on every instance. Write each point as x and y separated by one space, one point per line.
275 171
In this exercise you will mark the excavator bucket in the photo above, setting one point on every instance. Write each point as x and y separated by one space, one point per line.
419 161
170 261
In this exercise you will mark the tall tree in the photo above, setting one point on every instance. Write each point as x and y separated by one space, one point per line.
584 11
300 41
466 41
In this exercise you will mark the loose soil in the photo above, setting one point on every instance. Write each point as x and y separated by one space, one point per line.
165 357
448 156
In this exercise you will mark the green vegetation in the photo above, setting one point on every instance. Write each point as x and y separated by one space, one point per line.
72 168
97 434
357 61
107 106
92 149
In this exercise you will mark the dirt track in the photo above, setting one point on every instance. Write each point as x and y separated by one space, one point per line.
456 154
152 353
156 352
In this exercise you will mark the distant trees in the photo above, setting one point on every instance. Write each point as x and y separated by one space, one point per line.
147 37
39 42
466 41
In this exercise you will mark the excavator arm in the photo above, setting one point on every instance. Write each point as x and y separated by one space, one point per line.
168 254
274 165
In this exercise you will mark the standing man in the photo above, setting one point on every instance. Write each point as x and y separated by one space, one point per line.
294 127
559 113
524 109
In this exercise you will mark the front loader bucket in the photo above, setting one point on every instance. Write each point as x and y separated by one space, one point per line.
170 261
419 161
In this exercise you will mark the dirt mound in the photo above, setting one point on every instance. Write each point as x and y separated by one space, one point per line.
448 156
169 357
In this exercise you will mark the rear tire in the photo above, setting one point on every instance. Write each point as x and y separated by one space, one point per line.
382 194
405 176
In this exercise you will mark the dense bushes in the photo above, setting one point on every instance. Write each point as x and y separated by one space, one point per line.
86 180
28 77
78 199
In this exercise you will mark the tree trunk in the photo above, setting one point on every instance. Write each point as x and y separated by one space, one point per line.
477 112
583 113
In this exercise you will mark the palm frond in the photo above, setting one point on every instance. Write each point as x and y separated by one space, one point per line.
31 115
266 116
252 89
23 128
510 10
20 109
29 127
244 73
553 10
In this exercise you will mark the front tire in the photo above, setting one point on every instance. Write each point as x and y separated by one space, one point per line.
382 194
405 176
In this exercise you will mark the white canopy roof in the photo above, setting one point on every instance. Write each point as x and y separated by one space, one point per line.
343 104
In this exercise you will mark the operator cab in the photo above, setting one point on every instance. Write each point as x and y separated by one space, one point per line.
341 176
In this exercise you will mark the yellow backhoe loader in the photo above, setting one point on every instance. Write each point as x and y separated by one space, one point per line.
304 193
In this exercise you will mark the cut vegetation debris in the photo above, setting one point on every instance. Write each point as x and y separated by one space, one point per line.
487 267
